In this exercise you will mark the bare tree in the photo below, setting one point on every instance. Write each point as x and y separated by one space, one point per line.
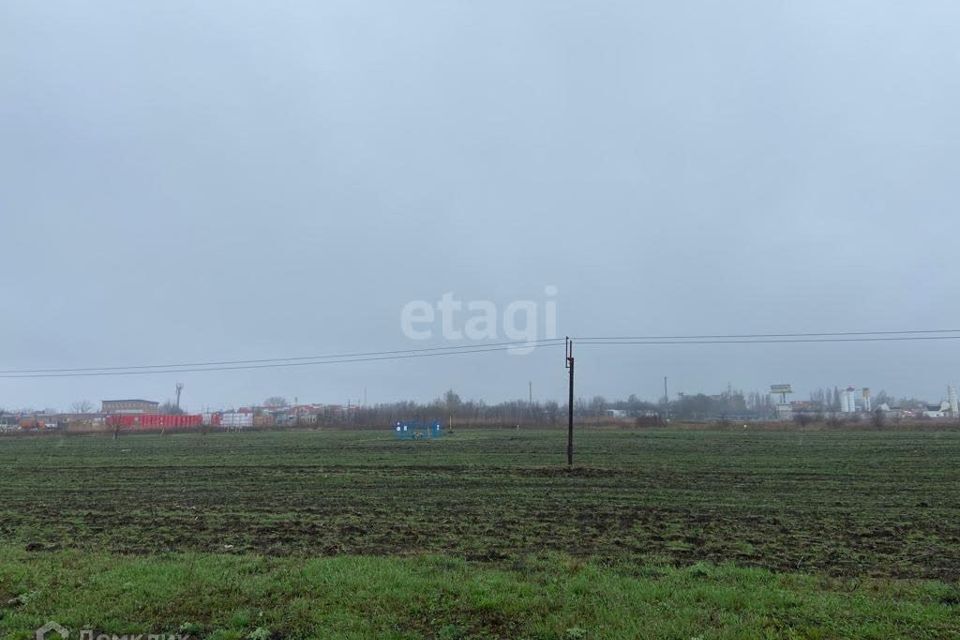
552 412
276 402
598 405
834 419
82 406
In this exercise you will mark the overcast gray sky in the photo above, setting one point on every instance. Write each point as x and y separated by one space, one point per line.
221 180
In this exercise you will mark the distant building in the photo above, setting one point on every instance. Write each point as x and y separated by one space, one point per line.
784 411
848 403
615 413
145 407
237 419
941 410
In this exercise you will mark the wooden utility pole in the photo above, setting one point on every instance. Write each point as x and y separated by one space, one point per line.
569 366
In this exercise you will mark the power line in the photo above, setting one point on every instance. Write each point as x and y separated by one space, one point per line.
292 359
776 335
602 341
427 352
152 370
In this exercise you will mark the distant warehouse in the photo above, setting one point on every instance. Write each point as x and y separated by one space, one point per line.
133 407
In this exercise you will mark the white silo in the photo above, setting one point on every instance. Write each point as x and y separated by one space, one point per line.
952 399
867 400
848 404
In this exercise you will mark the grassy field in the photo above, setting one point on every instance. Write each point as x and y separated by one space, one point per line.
656 533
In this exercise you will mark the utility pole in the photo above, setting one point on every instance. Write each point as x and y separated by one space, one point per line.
666 400
569 366
530 415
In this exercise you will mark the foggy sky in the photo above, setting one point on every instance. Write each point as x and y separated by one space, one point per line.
188 181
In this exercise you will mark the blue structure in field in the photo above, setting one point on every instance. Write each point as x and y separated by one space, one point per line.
416 430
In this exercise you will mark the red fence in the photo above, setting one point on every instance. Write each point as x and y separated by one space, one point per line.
154 422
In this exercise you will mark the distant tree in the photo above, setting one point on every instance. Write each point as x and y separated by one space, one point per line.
170 408
694 407
276 402
580 407
816 398
598 405
803 418
879 418
451 400
552 411
82 406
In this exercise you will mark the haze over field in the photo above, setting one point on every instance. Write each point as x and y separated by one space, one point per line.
230 180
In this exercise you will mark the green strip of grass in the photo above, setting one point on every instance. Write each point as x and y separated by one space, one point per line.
245 596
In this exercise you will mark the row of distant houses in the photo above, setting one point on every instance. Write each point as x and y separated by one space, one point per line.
941 411
55 420
243 417
931 411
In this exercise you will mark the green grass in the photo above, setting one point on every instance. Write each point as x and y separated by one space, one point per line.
658 533
549 597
